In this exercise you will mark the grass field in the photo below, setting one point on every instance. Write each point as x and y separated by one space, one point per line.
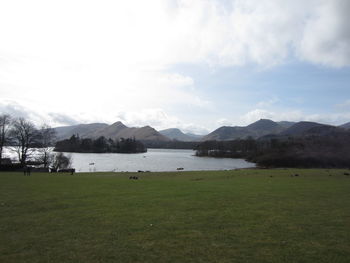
218 216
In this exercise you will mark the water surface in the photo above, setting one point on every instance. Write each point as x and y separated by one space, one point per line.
153 160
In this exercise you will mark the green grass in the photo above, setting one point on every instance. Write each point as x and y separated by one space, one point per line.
219 216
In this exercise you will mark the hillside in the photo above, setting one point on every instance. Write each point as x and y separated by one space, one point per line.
146 133
321 146
286 124
109 132
345 125
266 129
177 134
226 133
115 131
65 132
197 137
257 129
263 127
306 127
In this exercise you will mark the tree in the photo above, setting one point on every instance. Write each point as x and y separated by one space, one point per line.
23 136
61 161
100 145
46 140
86 145
5 121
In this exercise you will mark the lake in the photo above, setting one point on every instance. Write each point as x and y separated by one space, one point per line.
154 160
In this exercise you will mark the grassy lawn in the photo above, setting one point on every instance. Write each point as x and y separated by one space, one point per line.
217 216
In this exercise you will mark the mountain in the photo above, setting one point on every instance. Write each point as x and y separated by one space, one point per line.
324 130
226 133
263 127
196 137
109 132
115 131
177 134
146 133
286 124
306 127
257 129
345 125
65 132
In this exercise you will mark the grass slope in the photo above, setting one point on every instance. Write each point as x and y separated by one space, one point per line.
219 216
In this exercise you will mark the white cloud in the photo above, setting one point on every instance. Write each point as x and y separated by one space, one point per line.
267 103
75 88
326 37
156 33
255 115
160 120
89 61
344 105
16 110
119 37
154 117
224 122
35 114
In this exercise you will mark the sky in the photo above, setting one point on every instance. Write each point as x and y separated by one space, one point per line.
191 64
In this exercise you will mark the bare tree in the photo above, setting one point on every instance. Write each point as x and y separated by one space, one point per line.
46 140
61 161
23 137
5 121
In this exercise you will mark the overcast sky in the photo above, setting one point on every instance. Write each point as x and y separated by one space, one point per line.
191 64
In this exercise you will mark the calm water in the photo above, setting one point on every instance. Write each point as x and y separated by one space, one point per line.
153 160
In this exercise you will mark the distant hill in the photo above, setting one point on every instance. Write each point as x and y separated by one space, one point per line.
196 136
115 131
263 127
312 145
226 133
257 129
66 132
109 132
304 128
266 129
324 130
286 124
307 127
345 125
146 133
177 134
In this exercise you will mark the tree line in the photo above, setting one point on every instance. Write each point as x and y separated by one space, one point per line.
311 151
100 145
24 138
174 144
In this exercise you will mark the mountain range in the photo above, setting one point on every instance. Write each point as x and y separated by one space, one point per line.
258 129
115 131
255 130
84 130
177 134
345 125
266 128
